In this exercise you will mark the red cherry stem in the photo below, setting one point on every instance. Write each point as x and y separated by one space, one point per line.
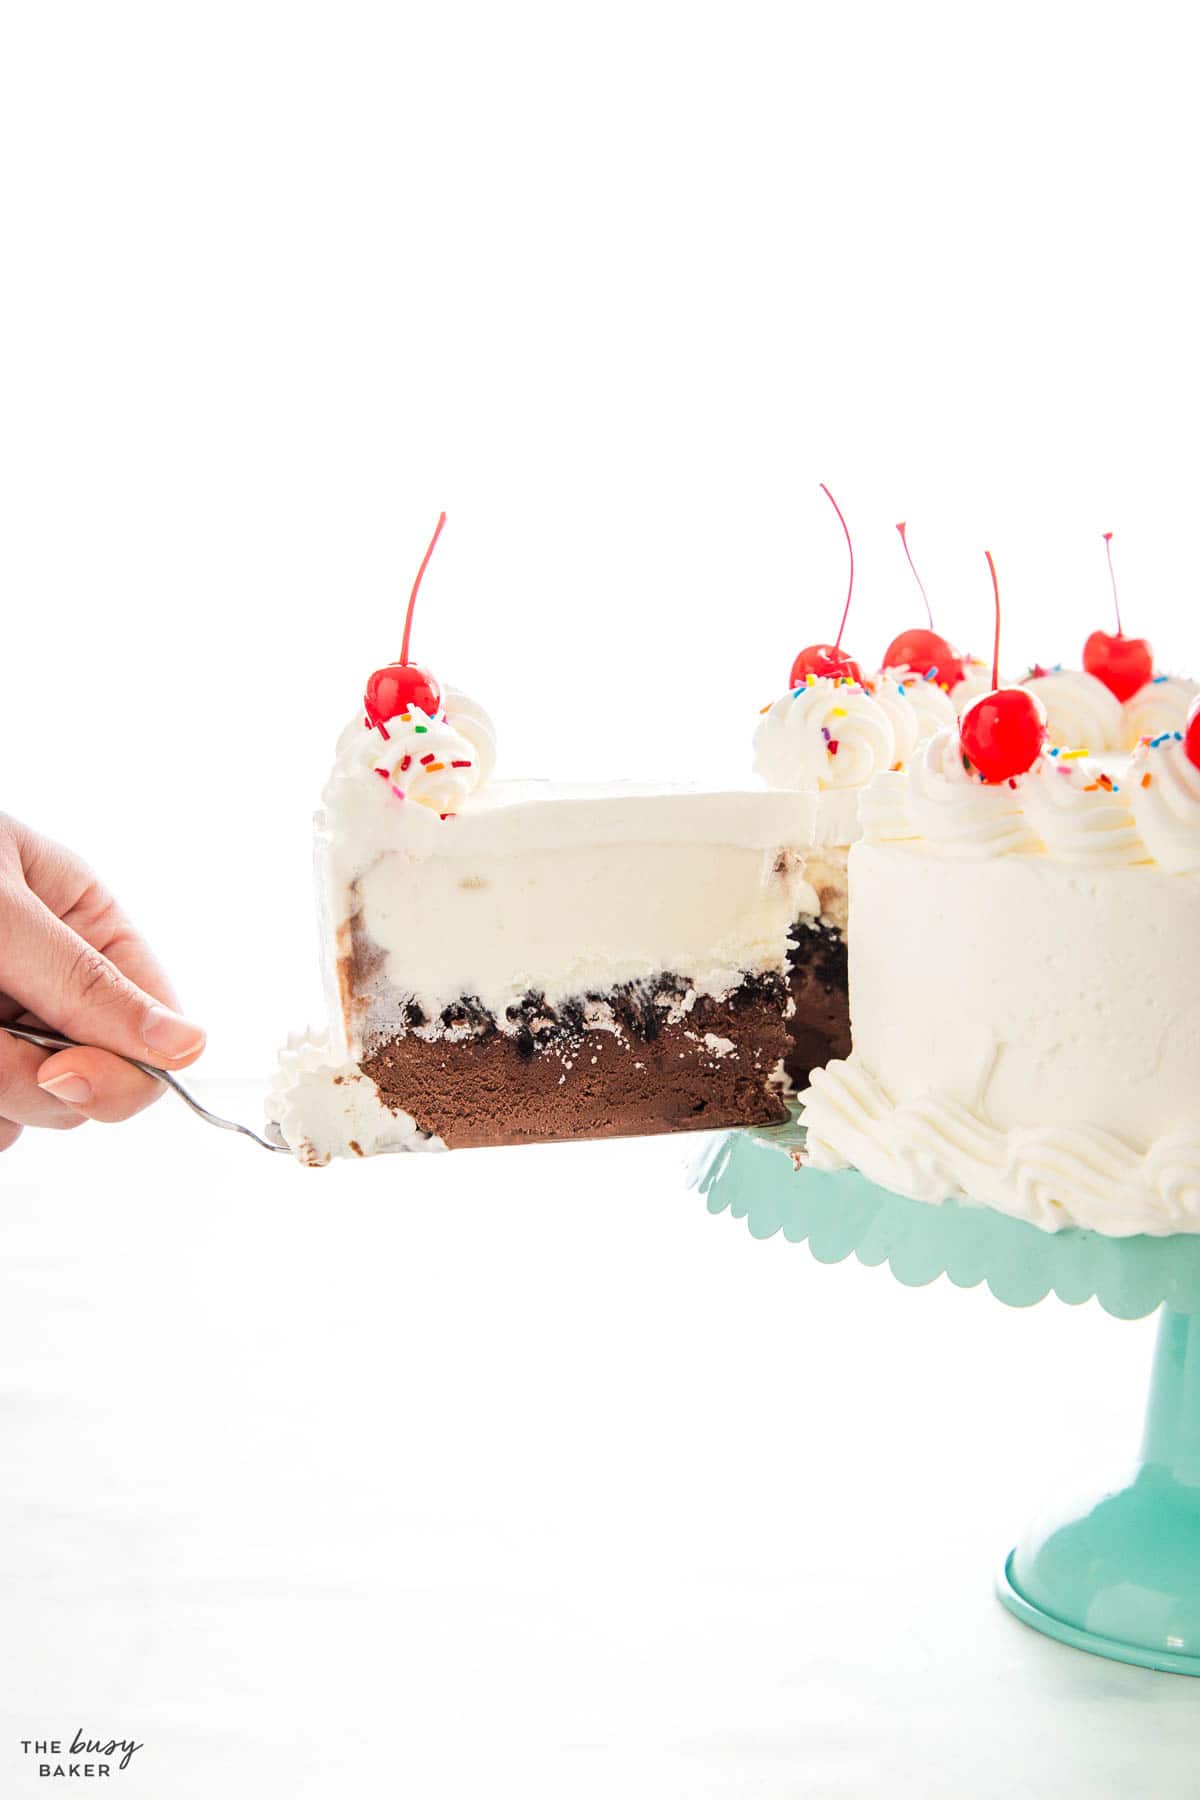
837 642
1113 578
996 642
902 528
412 598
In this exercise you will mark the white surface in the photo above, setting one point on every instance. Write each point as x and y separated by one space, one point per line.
515 1472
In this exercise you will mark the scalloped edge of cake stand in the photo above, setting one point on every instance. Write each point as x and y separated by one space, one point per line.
752 1175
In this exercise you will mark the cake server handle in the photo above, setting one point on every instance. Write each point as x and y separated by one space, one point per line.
54 1040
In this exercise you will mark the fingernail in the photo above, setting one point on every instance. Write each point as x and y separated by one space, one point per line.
170 1035
68 1087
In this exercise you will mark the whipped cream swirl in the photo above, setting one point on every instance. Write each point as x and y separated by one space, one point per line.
1053 1176
1164 792
1081 713
1079 813
324 1106
917 707
1162 705
1066 806
469 719
948 805
425 760
976 680
436 761
826 734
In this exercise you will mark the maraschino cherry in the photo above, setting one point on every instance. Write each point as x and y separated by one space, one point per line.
830 660
1191 734
922 649
393 689
1123 664
1003 732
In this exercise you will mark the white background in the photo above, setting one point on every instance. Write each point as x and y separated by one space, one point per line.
523 1474
616 286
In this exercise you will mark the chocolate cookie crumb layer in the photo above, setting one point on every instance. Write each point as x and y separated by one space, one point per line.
652 1069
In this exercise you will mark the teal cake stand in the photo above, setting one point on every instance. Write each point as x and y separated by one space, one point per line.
1119 1574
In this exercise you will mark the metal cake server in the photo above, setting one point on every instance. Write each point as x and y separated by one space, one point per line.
54 1040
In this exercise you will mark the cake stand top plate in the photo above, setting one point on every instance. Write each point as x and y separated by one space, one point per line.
753 1175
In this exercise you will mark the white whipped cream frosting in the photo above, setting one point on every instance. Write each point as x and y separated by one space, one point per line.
827 739
976 680
927 702
1066 807
1079 814
416 761
1162 705
941 801
1164 791
1036 1045
890 696
1081 713
936 1149
828 734
325 1107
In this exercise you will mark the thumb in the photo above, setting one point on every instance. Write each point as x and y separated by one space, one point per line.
69 984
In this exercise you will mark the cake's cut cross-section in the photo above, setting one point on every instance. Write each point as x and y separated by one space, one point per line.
513 962
516 962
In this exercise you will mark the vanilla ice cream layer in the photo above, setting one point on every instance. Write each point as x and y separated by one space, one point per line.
562 891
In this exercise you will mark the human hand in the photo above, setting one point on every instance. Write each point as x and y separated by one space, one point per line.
71 960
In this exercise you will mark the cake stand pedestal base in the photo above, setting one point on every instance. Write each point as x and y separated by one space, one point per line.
1121 1576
